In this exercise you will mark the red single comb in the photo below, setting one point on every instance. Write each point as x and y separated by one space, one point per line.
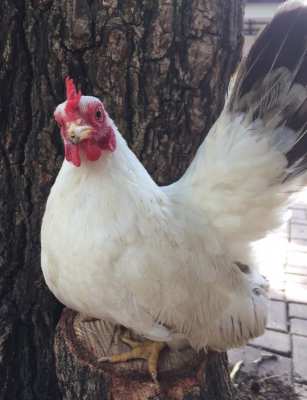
73 96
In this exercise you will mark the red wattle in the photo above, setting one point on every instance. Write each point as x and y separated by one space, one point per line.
91 149
72 153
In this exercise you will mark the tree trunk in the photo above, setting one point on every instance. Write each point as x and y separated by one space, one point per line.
79 346
162 68
183 375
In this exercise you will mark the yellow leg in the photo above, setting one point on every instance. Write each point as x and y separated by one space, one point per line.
147 350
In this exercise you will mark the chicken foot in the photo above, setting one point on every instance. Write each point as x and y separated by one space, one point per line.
147 350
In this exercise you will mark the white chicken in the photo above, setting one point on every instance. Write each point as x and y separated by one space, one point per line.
175 262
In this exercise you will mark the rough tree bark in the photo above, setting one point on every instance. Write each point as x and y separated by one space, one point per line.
183 375
161 67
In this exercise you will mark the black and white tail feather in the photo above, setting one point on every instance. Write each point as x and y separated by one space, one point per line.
255 156
272 85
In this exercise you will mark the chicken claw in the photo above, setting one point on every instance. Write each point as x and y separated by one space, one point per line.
147 350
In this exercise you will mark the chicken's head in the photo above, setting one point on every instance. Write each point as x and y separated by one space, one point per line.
85 126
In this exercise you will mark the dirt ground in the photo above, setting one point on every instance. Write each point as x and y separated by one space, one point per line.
249 387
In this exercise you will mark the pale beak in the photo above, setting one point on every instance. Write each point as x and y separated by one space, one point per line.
77 133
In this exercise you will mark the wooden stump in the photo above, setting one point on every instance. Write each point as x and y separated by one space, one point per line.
79 345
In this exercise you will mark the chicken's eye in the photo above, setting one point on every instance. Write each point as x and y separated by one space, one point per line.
98 114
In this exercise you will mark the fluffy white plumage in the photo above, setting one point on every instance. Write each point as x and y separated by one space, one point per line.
165 262
118 247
